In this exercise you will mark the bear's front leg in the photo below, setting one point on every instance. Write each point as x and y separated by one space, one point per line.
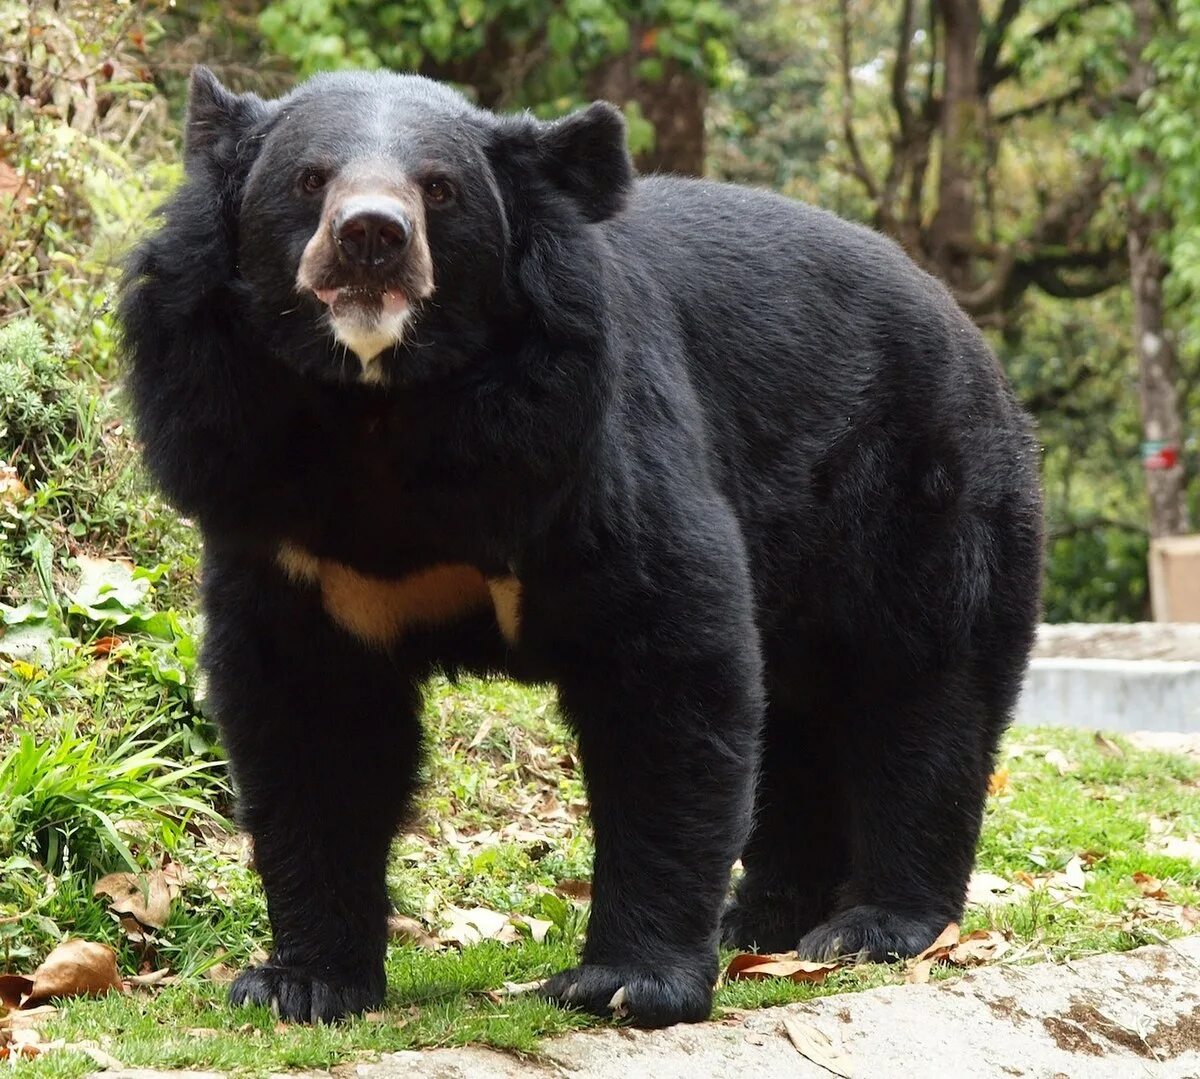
324 741
667 703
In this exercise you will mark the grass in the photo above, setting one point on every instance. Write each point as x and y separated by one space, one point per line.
500 854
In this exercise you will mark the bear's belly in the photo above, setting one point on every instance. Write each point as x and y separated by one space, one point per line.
378 610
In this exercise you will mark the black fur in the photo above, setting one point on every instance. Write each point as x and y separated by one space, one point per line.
746 460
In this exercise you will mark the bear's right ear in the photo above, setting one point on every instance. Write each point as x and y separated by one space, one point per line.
585 156
217 121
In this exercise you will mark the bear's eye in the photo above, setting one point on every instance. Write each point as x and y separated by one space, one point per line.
312 180
439 191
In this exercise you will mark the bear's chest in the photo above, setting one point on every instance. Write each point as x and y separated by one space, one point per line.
380 610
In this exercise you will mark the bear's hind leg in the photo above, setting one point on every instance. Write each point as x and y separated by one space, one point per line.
324 742
918 757
798 855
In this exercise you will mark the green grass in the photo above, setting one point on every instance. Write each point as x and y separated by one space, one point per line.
1103 807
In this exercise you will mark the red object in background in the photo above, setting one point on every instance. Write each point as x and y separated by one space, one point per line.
1159 456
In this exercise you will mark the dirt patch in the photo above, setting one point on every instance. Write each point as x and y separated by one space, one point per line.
1084 1028
1007 1008
1180 1036
1070 1037
844 1016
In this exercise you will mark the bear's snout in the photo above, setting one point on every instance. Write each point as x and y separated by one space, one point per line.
371 231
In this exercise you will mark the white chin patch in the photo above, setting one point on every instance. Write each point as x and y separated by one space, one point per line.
369 335
367 324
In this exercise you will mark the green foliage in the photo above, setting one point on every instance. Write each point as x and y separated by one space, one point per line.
74 99
72 802
39 405
510 53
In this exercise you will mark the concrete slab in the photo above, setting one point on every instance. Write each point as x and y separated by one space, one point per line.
1112 694
1106 1017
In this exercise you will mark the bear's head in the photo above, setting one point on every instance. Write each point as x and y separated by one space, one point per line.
374 225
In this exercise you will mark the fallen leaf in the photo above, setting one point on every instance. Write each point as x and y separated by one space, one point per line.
538 927
104 1061
479 923
11 488
76 968
401 927
999 782
13 989
1057 759
1107 746
104 645
1174 847
946 940
146 899
484 730
922 965
151 979
981 946
1073 874
30 1018
574 889
751 967
1150 887
817 1046
986 889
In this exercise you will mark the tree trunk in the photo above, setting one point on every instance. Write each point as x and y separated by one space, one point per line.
1157 373
674 106
952 232
1162 425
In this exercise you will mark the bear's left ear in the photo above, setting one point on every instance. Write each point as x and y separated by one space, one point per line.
217 121
584 155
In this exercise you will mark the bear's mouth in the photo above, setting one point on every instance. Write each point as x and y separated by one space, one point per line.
357 300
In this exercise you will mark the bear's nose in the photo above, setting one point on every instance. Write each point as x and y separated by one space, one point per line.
371 231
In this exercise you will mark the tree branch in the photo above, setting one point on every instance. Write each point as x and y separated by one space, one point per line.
900 69
1050 103
995 37
860 165
1044 34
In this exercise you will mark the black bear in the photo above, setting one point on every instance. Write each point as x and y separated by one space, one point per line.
447 390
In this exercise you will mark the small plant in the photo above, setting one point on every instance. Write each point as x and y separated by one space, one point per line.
72 803
39 405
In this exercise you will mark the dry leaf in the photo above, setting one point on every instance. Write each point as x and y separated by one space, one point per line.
402 927
986 889
1058 760
479 923
817 1046
1107 746
1073 874
76 968
782 965
151 979
28 1019
220 974
13 989
1000 781
538 927
1174 847
922 965
981 946
574 889
146 899
1150 887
